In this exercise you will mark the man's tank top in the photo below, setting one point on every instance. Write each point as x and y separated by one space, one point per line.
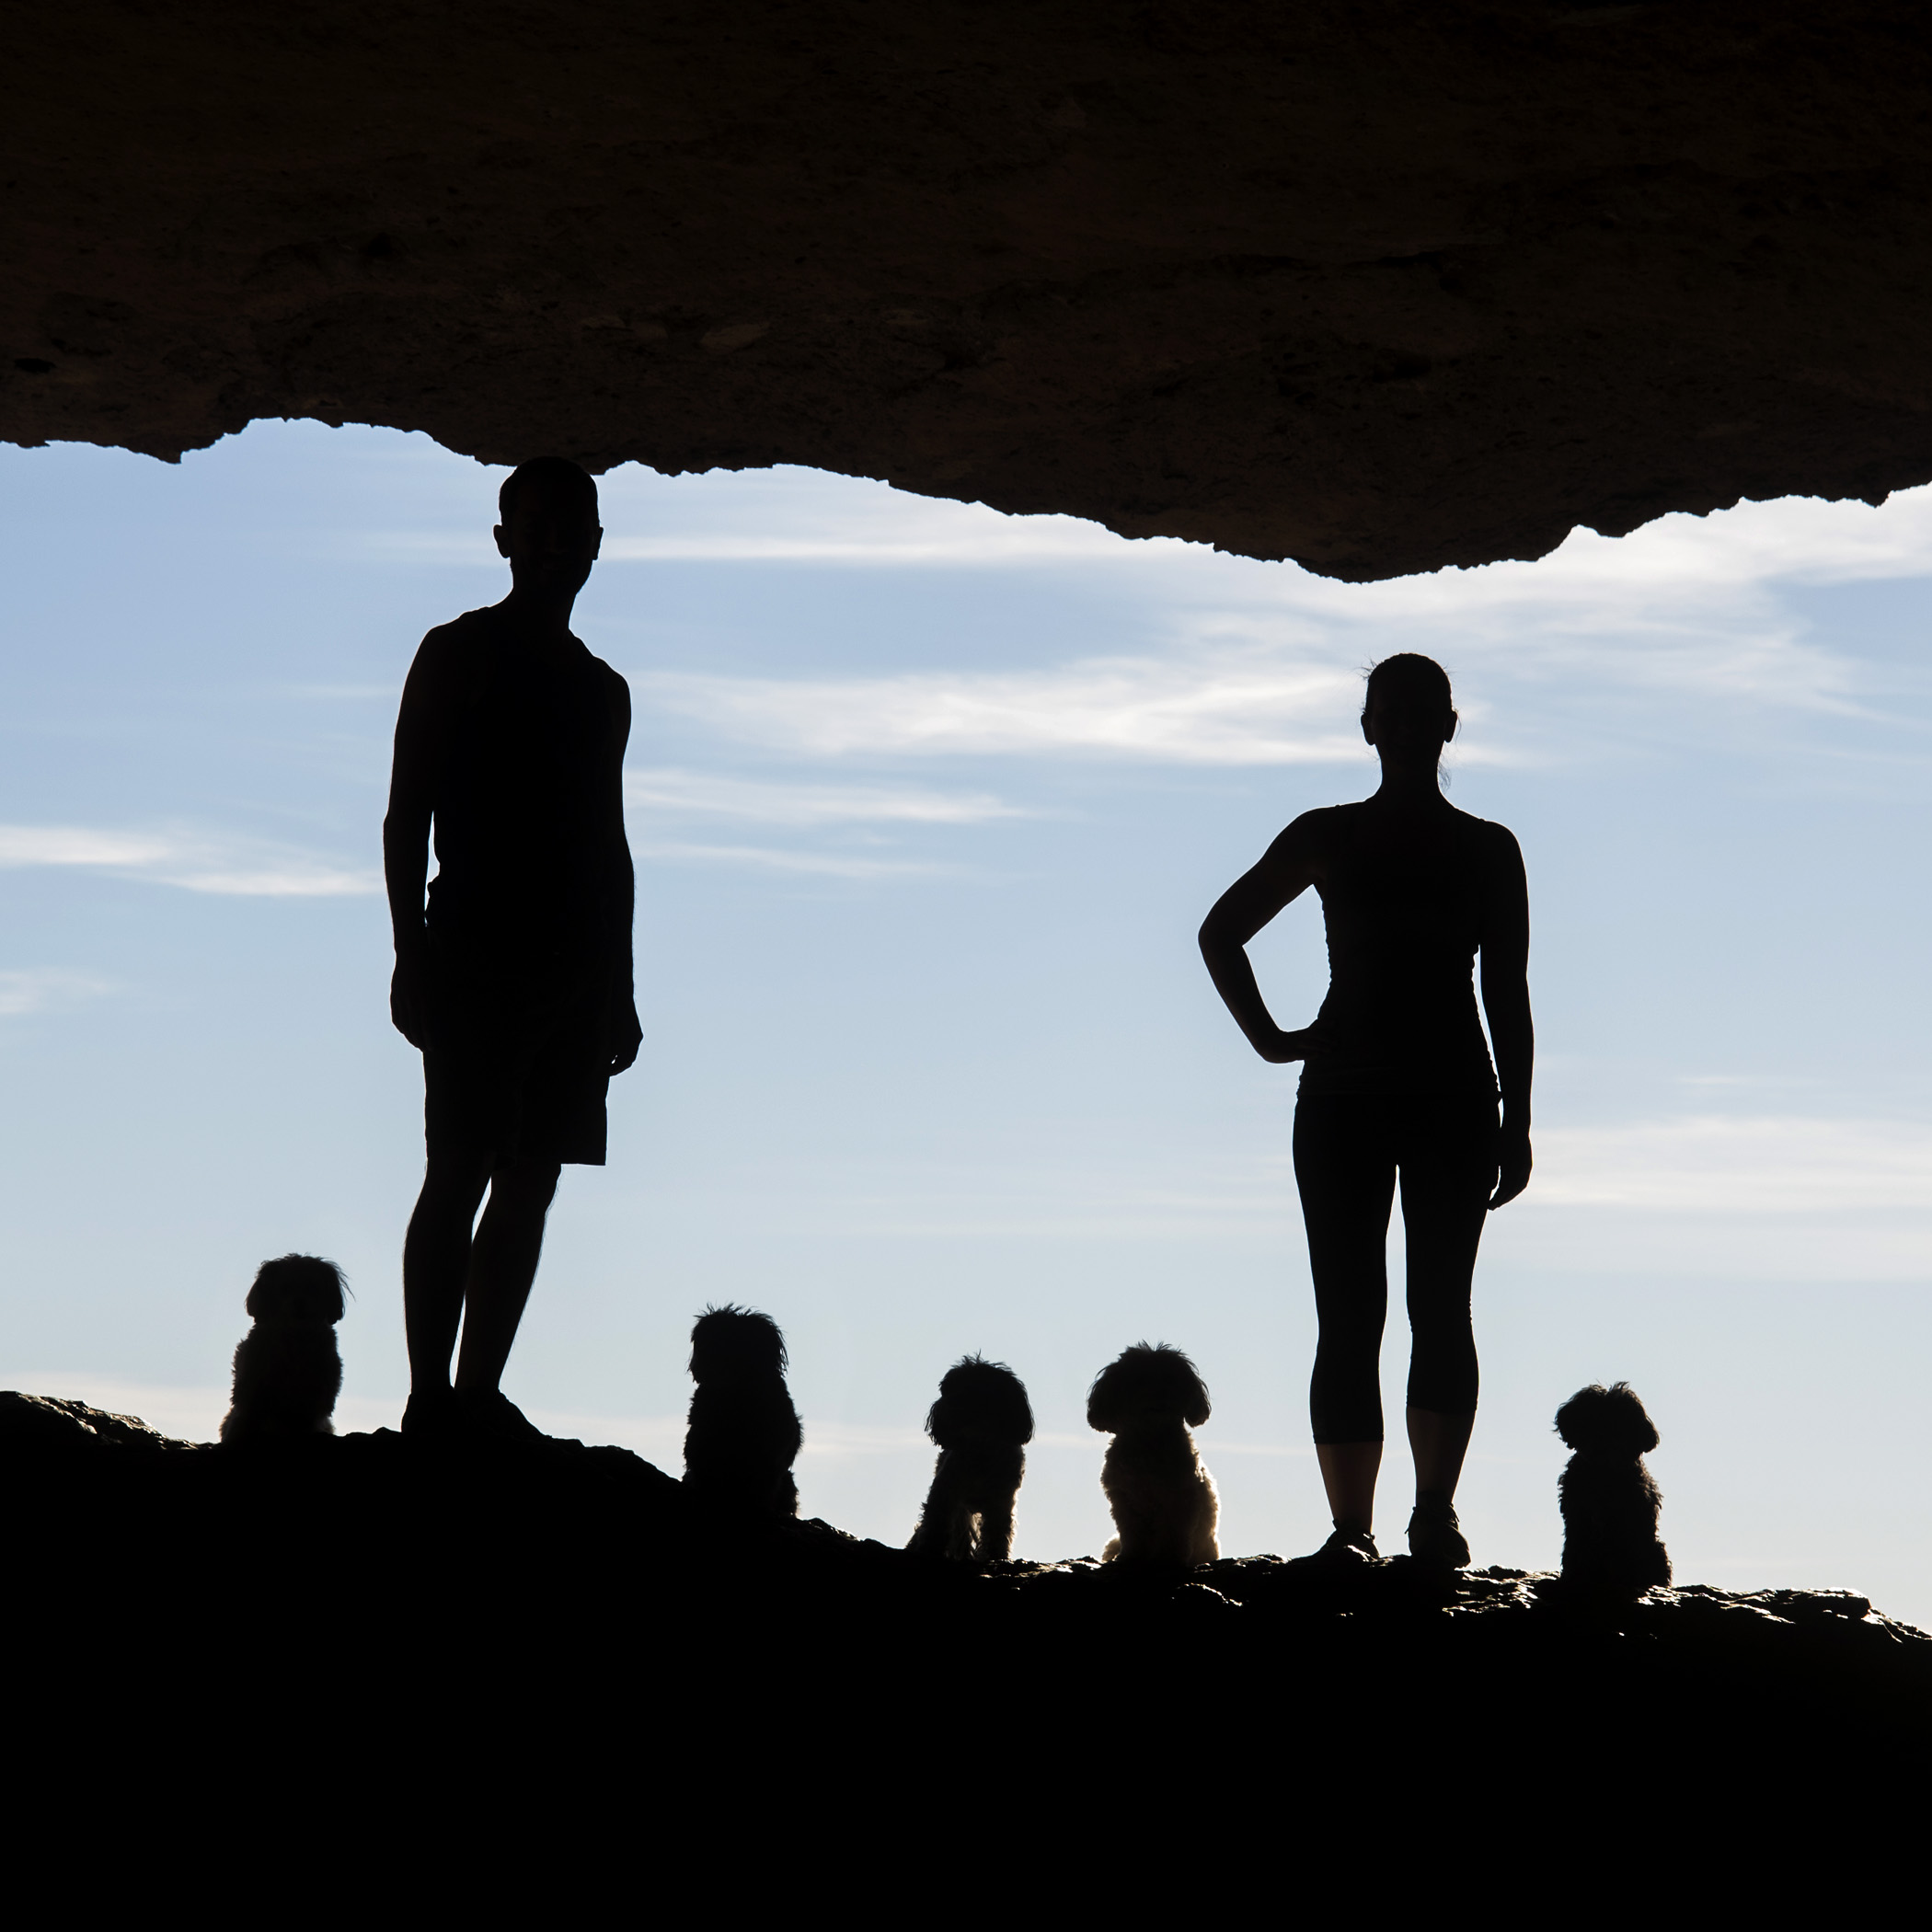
523 831
1404 923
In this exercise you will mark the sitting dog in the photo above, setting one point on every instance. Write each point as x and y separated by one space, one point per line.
1610 1503
287 1370
743 1433
1164 1505
982 1423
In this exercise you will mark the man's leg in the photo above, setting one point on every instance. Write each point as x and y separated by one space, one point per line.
503 1265
436 1263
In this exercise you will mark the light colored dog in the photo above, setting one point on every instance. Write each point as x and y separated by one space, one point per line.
1163 1499
287 1370
982 1423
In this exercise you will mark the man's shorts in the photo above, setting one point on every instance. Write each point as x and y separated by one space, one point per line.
518 1062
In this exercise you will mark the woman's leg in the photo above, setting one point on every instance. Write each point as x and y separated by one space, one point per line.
1438 1443
1448 1161
1345 1169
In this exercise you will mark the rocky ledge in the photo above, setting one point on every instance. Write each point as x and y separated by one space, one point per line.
359 1584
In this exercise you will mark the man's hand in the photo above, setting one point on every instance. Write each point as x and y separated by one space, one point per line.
630 1038
408 994
1514 1174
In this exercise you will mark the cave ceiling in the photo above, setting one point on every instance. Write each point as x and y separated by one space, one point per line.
1379 287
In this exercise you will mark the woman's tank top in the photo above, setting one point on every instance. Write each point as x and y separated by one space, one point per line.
1403 920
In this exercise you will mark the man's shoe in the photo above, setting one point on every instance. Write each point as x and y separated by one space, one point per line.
487 1415
1435 1536
429 1412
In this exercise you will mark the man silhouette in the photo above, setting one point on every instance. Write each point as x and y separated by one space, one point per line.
515 979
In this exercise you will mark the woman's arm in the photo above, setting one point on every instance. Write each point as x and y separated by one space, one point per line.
1287 869
1506 1002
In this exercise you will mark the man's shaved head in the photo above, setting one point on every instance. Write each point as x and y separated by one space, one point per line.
553 476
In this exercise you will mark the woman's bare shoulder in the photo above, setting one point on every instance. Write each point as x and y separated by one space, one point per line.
1313 834
1495 844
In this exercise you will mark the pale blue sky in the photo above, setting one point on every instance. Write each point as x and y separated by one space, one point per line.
927 804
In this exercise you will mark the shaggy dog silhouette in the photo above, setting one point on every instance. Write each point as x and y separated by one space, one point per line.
744 1434
1165 1508
982 1423
1610 1503
287 1370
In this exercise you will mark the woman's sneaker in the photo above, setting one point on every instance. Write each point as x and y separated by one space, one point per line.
1435 1536
1347 1548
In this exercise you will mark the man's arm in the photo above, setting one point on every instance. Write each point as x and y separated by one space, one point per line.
406 841
627 1034
1506 1002
1287 869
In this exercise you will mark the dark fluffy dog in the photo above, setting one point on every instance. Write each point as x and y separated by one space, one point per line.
1164 1505
287 1370
743 1433
982 1423
1610 1541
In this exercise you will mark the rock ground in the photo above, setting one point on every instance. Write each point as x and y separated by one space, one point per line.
567 1604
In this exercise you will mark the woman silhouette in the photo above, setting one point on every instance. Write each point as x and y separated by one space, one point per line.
1396 1080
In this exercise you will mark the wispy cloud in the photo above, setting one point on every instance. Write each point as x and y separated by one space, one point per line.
705 794
194 861
958 536
1232 707
1253 664
1729 1164
775 859
41 989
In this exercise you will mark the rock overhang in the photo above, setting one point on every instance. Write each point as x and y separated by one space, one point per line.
1380 288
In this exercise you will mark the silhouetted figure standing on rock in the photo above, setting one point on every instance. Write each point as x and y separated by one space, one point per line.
515 979
1396 1080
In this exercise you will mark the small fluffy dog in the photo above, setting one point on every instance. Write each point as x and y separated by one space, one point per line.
287 1370
743 1433
1162 1501
982 1423
1610 1503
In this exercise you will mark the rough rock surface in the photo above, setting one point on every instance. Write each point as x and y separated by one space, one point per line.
1377 284
559 1634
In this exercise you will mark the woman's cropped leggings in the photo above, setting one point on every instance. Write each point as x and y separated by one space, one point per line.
1349 1148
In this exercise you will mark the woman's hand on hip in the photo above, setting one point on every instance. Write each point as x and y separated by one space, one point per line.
1513 1173
1286 1047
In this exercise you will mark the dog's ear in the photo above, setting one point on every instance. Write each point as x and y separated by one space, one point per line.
1637 1432
1185 1389
1103 1399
